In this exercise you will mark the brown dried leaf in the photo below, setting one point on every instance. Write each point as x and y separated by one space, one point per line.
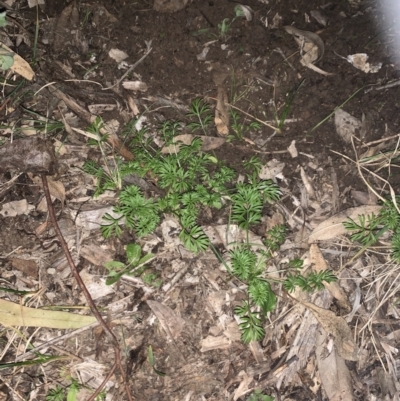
199 384
340 330
209 143
333 371
319 264
66 23
27 266
243 386
20 66
333 227
210 343
56 188
171 323
222 113
33 155
169 6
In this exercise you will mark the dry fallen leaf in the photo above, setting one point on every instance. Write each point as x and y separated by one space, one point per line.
56 188
360 61
208 143
117 55
12 314
307 183
333 227
135 86
20 66
27 266
333 371
16 208
210 343
222 113
169 320
319 264
346 125
243 386
338 327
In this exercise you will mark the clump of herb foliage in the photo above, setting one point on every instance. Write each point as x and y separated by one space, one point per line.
193 180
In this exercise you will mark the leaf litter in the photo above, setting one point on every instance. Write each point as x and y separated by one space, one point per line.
188 318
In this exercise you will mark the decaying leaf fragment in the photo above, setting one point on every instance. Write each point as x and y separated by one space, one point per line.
32 154
333 371
339 329
171 323
222 113
19 66
333 227
56 188
208 143
346 125
12 314
169 6
67 23
319 264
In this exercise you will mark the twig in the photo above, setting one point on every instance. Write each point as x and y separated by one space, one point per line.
132 67
365 145
86 293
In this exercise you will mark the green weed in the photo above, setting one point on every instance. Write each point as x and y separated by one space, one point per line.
225 25
136 263
239 126
202 114
69 393
108 177
152 362
368 229
259 396
287 107
192 180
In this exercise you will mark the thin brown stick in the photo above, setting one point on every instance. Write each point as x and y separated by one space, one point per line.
86 293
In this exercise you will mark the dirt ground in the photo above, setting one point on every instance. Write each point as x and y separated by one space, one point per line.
188 320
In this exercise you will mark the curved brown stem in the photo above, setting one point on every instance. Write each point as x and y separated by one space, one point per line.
86 293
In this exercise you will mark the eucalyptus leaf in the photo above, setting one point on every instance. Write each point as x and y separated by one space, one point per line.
133 252
146 258
3 21
6 58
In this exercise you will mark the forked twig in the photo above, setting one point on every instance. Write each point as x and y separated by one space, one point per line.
132 67
87 295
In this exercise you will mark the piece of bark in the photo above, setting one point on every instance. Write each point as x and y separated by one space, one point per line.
31 154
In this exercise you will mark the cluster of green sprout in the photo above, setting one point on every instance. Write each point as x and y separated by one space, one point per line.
192 181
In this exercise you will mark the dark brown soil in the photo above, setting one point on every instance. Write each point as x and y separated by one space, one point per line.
262 68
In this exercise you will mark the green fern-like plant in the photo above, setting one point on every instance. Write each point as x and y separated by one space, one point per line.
248 267
200 111
139 214
368 229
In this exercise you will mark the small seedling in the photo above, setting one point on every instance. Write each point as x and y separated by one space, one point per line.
56 394
259 396
152 279
68 393
109 176
150 358
201 112
135 261
224 26
368 229
240 128
287 107
248 265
